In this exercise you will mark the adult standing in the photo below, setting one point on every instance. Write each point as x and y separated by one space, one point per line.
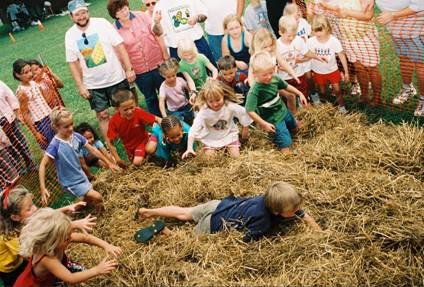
214 22
275 10
143 49
35 9
98 60
404 20
180 19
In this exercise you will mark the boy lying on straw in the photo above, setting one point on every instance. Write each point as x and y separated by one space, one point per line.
255 215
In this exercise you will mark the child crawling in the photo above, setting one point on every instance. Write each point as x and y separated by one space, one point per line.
255 215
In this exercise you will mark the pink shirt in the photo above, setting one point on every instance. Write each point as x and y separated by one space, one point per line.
142 47
174 96
8 103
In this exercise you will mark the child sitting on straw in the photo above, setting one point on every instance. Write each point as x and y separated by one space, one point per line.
256 215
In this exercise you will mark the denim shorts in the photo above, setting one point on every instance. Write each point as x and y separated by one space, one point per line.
413 48
184 114
282 137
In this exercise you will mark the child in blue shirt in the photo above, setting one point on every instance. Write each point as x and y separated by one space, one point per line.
64 150
256 215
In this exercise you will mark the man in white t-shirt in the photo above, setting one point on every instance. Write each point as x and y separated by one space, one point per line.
217 11
180 19
94 51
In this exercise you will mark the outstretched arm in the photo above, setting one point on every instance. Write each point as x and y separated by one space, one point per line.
310 221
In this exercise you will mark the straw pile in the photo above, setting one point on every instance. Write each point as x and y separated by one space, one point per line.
362 183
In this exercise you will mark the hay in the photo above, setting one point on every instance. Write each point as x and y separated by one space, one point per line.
363 183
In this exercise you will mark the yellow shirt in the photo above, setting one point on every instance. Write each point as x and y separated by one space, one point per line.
9 254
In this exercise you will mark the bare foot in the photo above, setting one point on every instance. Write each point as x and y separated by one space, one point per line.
166 231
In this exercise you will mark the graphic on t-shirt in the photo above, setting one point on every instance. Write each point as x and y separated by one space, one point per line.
179 17
290 57
92 50
195 72
323 52
220 125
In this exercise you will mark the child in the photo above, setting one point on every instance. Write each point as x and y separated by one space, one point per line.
326 45
214 124
236 42
229 75
49 85
64 150
294 50
15 207
168 138
87 159
44 240
264 104
256 216
128 123
173 92
33 108
256 16
194 65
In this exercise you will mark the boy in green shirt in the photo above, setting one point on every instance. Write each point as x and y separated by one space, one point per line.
264 104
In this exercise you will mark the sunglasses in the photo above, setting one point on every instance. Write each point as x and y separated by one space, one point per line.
151 3
85 39
319 29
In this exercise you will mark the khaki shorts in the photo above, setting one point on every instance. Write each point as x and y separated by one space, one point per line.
202 214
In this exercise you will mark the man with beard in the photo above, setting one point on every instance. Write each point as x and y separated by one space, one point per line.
98 60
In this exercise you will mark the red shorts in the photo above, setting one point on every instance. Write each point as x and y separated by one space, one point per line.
233 144
322 79
302 86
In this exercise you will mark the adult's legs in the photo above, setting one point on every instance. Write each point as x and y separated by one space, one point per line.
203 48
363 80
103 118
215 45
376 83
95 198
275 11
147 84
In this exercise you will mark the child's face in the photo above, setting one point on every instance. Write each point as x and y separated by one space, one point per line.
229 75
27 209
264 76
288 214
288 36
189 56
37 72
320 33
26 74
89 136
65 127
175 135
234 29
170 78
126 109
215 103
268 46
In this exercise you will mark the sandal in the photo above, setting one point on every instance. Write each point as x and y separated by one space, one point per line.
146 233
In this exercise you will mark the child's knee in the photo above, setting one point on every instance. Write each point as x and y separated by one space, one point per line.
93 196
151 147
138 160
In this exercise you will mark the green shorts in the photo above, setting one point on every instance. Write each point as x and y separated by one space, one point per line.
202 214
101 99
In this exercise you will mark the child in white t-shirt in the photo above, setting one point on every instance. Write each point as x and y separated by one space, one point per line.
326 45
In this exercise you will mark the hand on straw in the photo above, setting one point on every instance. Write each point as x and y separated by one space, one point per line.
106 266
86 224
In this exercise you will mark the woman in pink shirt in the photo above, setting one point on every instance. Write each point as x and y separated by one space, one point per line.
143 49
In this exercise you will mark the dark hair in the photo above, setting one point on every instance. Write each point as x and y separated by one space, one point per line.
168 123
35 62
170 64
85 127
114 6
226 62
18 66
121 96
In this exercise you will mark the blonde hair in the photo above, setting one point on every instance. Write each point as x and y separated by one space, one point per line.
44 232
169 65
13 207
259 39
291 9
320 22
230 18
261 61
186 45
287 24
213 89
282 197
58 113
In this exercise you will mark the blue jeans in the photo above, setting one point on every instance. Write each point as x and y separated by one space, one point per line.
149 83
282 137
185 114
215 45
202 47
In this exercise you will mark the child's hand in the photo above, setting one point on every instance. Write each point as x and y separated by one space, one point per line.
242 65
385 17
322 59
245 134
346 77
303 100
187 153
297 79
41 139
86 224
122 164
192 21
113 250
45 194
192 99
74 207
268 127
115 168
106 265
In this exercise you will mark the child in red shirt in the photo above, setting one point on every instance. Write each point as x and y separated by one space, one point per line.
128 123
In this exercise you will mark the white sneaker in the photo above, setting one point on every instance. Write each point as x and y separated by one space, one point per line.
404 95
315 99
34 23
342 110
419 112
355 90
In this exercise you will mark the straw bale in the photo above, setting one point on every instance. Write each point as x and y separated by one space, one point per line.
363 183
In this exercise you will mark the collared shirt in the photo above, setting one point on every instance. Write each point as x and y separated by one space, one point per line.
142 47
8 103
